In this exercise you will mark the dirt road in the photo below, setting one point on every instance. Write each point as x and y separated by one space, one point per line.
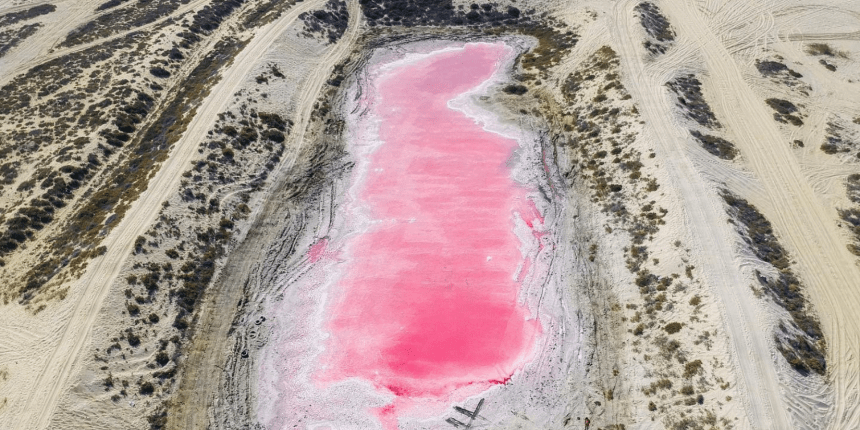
95 284
804 224
210 349
706 220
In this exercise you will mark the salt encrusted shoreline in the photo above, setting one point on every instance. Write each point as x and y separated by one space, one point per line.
297 345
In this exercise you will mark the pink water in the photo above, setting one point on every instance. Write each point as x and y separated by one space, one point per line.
428 300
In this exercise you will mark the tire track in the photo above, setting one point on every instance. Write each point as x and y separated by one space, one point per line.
706 222
102 271
806 226
40 51
208 354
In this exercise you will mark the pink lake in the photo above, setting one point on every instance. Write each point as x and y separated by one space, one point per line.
427 301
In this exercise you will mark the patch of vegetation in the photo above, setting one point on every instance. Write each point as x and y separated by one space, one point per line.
782 74
828 66
13 37
211 16
852 184
110 4
654 387
138 14
673 327
412 13
25 15
660 33
146 388
265 12
824 49
515 89
329 22
851 216
716 146
785 111
838 140
159 72
554 42
692 102
774 68
802 342
48 78
692 368
150 148
158 420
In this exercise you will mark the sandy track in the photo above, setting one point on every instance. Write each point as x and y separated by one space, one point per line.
805 225
47 390
705 218
209 351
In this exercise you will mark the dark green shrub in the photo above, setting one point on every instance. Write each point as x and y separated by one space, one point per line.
673 327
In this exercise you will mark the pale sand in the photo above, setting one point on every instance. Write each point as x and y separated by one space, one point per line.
795 189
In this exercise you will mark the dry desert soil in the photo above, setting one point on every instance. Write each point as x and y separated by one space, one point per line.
191 233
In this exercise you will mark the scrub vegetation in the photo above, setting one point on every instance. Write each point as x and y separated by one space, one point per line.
412 13
14 36
799 339
786 111
660 33
26 15
716 145
119 20
851 216
780 73
692 104
596 138
114 144
176 260
823 49
842 138
329 23
691 101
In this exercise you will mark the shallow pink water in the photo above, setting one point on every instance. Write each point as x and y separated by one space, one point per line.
428 300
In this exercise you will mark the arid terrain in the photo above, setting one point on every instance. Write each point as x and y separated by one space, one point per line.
429 214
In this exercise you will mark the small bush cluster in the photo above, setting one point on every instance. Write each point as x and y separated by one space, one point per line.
786 111
438 13
692 102
14 36
836 142
515 89
852 185
673 327
778 72
775 68
660 33
827 65
802 344
852 219
212 15
119 20
330 22
819 49
110 4
716 145
25 15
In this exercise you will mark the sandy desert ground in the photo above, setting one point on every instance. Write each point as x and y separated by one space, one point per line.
227 214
